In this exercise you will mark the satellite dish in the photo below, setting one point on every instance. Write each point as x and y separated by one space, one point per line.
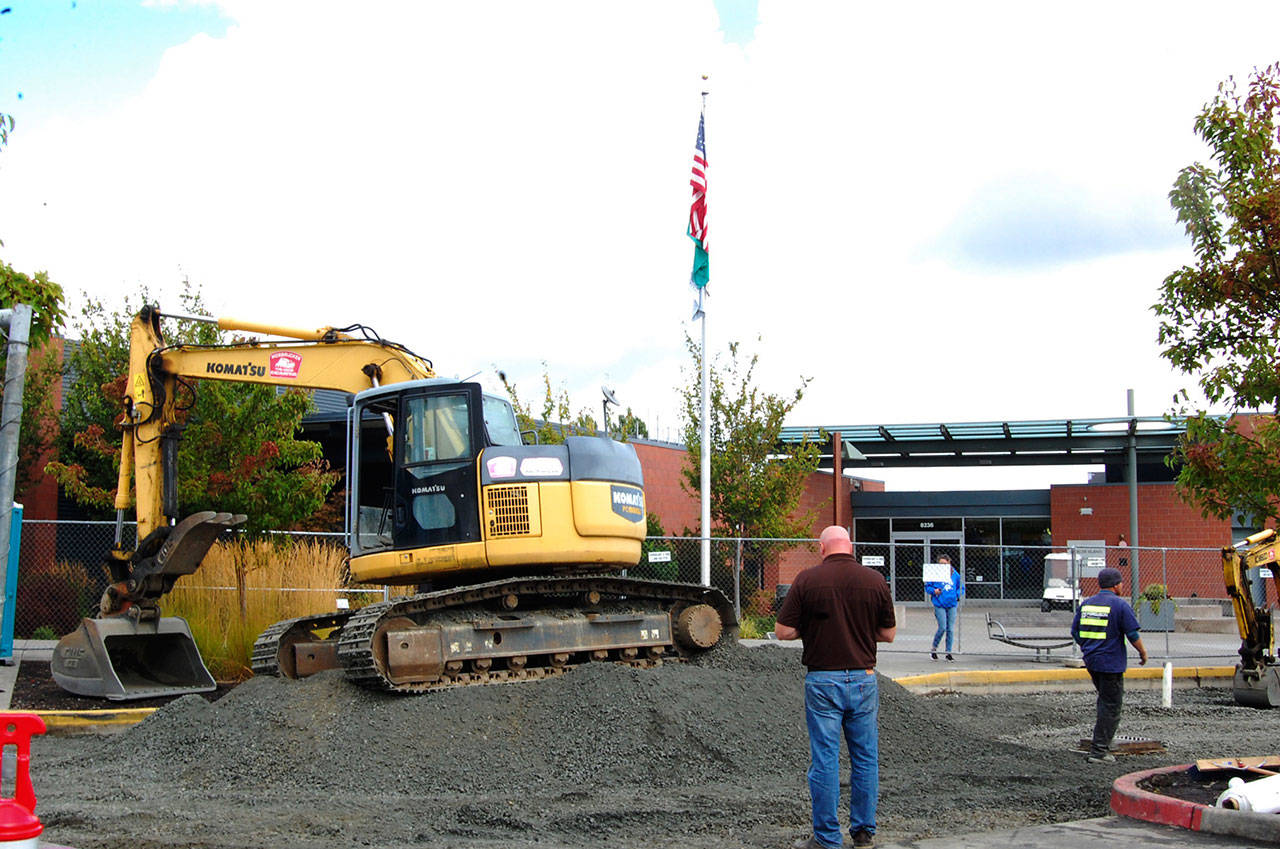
609 396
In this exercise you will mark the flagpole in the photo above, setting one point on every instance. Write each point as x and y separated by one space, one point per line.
705 472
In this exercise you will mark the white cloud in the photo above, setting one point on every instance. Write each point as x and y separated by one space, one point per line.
506 183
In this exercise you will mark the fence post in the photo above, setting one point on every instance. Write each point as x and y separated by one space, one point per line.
737 582
1076 659
1164 579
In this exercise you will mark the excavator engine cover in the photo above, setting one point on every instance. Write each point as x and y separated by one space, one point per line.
119 659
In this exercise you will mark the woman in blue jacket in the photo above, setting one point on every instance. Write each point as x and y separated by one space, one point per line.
945 596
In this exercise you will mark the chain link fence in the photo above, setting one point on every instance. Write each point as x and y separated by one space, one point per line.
62 575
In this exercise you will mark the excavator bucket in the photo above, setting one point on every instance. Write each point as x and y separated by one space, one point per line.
119 659
122 657
1261 689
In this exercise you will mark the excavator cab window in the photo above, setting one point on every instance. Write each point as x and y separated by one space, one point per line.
436 428
373 475
500 422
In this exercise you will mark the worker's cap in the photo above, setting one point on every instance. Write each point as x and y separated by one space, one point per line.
1110 578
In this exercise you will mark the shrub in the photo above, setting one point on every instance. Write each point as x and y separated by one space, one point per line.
1155 595
282 580
753 627
53 598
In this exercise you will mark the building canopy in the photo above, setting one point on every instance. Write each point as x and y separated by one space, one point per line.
1053 442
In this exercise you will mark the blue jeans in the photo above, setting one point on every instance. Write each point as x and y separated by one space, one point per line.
847 703
946 617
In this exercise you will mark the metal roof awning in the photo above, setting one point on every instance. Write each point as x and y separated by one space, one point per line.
1003 443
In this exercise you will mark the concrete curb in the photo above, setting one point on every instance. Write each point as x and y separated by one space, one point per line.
1130 800
1010 680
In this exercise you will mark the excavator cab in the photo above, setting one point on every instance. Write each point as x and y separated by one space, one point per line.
446 492
424 494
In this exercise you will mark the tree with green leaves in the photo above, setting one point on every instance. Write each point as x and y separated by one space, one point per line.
38 430
1219 317
755 491
557 420
630 426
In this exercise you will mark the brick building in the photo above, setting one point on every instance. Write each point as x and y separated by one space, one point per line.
999 537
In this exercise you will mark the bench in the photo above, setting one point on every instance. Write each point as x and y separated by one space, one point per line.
1042 643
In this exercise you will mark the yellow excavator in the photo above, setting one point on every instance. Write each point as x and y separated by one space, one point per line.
1245 568
518 547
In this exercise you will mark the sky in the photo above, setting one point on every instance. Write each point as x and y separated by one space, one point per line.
936 212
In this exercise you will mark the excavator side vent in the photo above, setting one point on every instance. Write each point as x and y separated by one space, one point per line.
508 510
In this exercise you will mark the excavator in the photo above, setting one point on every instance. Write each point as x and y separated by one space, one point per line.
1245 568
517 551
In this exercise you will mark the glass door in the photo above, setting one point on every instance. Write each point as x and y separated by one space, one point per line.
910 550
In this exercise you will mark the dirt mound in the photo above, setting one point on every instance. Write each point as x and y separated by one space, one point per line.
711 753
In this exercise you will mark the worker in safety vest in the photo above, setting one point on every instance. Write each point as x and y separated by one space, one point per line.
1101 625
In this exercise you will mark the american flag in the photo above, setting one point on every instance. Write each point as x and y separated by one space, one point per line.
698 210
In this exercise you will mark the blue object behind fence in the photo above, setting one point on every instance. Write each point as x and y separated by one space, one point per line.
11 586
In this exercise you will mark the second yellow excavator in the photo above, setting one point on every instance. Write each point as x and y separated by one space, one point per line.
1245 569
518 546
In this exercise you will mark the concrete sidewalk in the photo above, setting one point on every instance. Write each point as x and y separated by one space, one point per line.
1102 833
908 654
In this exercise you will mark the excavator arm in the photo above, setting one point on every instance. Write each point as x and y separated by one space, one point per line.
1245 568
124 651
326 358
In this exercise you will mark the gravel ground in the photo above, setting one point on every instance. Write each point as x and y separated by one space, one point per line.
708 754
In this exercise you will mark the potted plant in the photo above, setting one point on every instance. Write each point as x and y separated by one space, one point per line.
1156 608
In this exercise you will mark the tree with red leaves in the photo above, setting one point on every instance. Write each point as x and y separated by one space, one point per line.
1220 317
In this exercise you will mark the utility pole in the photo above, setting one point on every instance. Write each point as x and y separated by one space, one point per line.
18 322
1133 503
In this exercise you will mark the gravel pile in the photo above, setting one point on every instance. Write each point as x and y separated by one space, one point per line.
705 754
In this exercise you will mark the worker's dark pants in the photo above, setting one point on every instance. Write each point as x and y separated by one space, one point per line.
1110 687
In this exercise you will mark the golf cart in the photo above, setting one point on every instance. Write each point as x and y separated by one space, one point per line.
1061 590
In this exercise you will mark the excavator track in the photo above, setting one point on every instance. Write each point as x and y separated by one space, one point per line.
500 632
268 655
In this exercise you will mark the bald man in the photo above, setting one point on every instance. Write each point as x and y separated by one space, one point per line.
841 610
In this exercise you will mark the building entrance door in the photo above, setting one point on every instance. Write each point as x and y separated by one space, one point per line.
910 550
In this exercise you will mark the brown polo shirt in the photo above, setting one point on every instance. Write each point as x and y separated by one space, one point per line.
838 606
